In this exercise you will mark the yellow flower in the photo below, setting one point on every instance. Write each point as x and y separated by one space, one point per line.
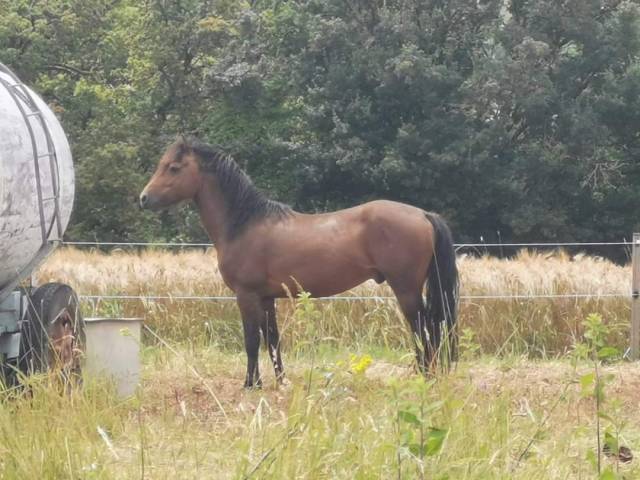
360 364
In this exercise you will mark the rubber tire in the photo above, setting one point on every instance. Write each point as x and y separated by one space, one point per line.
53 314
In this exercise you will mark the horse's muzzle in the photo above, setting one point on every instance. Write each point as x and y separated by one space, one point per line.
148 201
144 200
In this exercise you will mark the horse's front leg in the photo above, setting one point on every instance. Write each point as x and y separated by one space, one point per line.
272 337
253 315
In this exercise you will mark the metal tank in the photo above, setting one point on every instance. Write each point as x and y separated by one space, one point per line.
36 180
39 327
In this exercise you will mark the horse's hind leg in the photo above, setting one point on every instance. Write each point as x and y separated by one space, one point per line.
252 318
412 306
272 338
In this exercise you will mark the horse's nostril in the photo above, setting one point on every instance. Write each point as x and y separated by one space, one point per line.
143 200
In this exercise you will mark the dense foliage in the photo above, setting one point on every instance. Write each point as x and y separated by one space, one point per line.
519 117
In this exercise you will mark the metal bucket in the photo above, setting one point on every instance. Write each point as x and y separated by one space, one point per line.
113 351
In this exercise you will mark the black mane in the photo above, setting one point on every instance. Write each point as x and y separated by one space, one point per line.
245 203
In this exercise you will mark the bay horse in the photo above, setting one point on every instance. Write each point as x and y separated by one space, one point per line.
266 250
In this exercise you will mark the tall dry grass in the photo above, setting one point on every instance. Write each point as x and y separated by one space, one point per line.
537 327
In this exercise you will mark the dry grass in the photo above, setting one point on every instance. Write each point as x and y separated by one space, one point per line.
195 272
537 327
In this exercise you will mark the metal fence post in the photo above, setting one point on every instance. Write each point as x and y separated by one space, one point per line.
635 299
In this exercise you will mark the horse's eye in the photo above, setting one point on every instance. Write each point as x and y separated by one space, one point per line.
174 168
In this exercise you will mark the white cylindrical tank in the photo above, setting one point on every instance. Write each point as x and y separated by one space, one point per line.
36 179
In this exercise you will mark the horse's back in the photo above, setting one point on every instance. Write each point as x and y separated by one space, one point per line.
390 209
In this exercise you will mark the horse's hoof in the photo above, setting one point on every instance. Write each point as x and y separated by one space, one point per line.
253 386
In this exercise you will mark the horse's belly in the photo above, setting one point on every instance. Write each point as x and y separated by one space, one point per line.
323 255
321 278
334 284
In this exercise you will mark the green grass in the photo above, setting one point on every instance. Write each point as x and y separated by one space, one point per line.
544 328
329 423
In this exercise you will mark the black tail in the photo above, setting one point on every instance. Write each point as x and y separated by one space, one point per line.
441 309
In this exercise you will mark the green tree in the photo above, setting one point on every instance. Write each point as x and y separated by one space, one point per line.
125 78
507 116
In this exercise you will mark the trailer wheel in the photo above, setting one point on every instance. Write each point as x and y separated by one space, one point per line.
53 332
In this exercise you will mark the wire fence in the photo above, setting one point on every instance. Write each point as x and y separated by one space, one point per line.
138 244
355 298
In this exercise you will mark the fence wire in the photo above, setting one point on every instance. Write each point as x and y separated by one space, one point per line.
356 298
138 244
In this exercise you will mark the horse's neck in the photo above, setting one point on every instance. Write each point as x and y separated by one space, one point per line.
212 209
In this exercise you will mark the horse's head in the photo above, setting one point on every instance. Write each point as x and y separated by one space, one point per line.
177 178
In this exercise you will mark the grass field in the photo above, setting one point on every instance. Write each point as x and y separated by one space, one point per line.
330 423
516 405
541 328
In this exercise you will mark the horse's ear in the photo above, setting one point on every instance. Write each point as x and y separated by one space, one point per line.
184 143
